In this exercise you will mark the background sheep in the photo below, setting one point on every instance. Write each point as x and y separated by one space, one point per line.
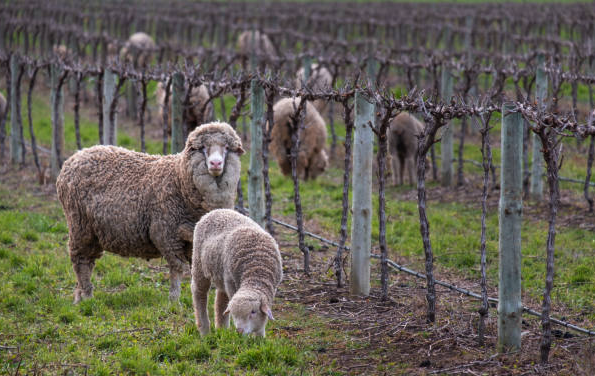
320 79
195 115
256 42
243 262
137 49
312 158
135 204
402 146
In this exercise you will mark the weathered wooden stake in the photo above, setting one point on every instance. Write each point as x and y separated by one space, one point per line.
255 178
361 225
16 152
537 156
177 112
109 129
57 113
446 143
510 307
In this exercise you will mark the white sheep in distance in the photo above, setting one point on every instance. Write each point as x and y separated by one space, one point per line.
138 49
320 80
254 42
402 146
196 113
235 254
140 205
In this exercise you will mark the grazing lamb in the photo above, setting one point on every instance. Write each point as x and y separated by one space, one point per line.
402 146
312 158
319 80
243 262
256 42
139 205
195 115
137 49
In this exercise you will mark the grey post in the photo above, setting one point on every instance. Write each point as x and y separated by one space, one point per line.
109 129
361 223
307 68
510 307
537 156
16 155
57 116
177 113
446 144
255 178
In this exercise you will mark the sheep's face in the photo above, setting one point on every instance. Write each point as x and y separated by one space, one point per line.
250 314
212 148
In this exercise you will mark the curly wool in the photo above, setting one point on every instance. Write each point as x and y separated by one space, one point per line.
235 254
402 146
135 204
312 158
320 80
194 118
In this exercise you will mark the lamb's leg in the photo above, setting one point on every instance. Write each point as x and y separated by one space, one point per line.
200 293
221 301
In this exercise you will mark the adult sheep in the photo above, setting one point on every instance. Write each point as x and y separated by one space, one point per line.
320 79
139 205
196 114
138 49
243 261
402 146
312 159
250 42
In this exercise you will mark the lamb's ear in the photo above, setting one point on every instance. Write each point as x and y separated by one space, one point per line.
264 307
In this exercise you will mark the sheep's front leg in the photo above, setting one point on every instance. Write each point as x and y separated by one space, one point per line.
221 301
200 294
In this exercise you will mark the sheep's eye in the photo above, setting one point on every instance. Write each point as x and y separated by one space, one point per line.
253 312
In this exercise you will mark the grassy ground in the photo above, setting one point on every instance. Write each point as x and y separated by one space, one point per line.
129 326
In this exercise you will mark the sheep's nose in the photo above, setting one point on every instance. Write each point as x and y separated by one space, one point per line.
216 164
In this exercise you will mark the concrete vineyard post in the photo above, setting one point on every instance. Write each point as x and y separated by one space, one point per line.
255 177
537 157
177 113
109 129
446 144
16 155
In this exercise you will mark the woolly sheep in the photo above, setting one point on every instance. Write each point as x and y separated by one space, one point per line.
243 261
402 146
312 158
137 49
319 80
139 205
256 42
194 117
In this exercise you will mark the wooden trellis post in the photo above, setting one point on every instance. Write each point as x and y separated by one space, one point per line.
109 129
177 113
16 152
57 113
446 143
255 178
537 156
361 224
510 307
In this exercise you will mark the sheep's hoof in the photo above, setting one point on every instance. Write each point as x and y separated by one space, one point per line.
80 295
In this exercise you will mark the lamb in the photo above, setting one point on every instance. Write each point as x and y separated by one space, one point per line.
195 114
250 42
319 80
137 49
312 159
402 146
243 262
139 205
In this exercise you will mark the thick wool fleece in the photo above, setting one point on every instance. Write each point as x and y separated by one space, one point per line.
141 205
320 80
242 260
402 146
312 158
194 118
262 44
138 41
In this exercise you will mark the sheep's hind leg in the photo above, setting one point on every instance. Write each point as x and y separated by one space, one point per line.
221 301
83 267
200 293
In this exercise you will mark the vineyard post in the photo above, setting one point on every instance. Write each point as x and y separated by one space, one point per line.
510 307
109 130
537 157
16 155
57 115
446 147
131 100
177 112
255 177
361 224
307 68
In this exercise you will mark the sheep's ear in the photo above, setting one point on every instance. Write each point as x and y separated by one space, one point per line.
267 310
238 149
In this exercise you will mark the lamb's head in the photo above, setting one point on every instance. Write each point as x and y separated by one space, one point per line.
208 146
250 311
